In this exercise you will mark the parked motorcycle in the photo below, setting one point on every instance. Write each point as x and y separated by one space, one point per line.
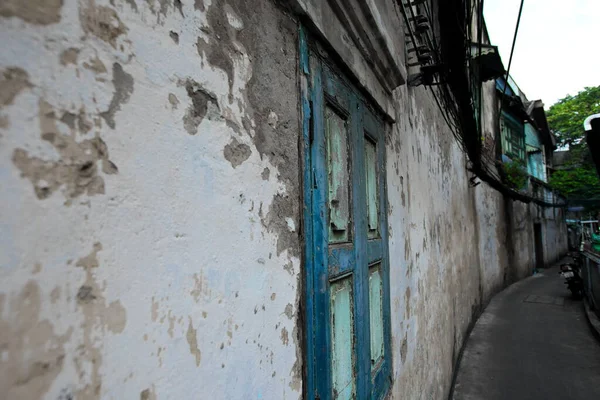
572 274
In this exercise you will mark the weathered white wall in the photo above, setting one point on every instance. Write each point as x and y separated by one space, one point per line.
554 233
149 213
452 246
150 236
436 265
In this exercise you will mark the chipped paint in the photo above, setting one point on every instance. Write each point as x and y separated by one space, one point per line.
77 169
201 101
33 11
123 84
450 255
127 143
193 342
12 82
69 56
101 21
33 354
236 153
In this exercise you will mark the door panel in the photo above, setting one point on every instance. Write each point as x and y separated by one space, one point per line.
372 192
376 314
347 259
342 338
338 177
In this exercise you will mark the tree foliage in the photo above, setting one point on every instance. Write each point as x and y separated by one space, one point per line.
577 183
567 115
579 179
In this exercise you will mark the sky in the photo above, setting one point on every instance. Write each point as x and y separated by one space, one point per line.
558 44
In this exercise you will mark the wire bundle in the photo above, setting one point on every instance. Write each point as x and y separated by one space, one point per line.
449 69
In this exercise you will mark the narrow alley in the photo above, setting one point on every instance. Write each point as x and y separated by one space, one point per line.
532 342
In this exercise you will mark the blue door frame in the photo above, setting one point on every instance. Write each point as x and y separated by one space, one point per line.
326 263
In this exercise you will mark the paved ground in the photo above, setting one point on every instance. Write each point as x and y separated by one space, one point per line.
533 342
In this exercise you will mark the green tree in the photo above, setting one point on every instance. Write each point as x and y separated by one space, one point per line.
577 183
567 115
579 180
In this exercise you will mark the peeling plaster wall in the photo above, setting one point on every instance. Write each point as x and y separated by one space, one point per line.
452 246
150 210
150 214
554 233
435 261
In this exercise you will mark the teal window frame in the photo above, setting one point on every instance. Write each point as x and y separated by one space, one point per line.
513 137
362 255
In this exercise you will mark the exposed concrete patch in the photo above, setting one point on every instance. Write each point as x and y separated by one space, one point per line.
200 287
284 336
218 49
177 4
85 294
236 153
201 100
12 82
69 56
404 348
275 220
289 267
289 311
32 353
38 12
161 8
193 342
148 394
272 120
296 371
97 66
68 118
173 100
76 170
235 30
123 83
132 3
101 21
98 316
199 5
265 174
407 302
55 295
4 122
154 310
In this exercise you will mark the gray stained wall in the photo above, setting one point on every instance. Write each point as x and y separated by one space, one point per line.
150 219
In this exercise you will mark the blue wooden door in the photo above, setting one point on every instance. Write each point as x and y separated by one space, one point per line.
348 350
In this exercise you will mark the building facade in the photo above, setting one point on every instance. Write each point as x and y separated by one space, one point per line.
240 199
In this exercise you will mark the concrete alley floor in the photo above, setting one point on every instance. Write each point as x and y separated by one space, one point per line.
532 342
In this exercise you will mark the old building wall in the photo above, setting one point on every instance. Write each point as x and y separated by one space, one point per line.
452 246
435 265
151 240
150 210
554 234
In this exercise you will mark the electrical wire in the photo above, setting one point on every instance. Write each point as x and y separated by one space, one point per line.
457 82
512 50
